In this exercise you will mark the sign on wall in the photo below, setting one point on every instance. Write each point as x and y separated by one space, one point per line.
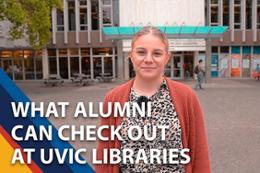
235 65
224 65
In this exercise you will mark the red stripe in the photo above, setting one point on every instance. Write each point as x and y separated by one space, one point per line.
33 166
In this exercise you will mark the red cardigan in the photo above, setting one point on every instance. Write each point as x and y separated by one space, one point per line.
191 118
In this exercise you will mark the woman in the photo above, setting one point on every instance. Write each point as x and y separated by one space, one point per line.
173 104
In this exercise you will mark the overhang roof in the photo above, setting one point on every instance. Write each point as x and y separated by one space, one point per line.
127 32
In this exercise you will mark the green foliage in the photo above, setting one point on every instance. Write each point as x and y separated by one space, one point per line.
30 19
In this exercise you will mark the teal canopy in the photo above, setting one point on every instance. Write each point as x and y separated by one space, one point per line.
126 32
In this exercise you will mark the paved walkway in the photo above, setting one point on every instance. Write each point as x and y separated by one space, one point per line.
231 112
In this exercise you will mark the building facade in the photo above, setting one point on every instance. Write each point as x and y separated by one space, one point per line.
78 44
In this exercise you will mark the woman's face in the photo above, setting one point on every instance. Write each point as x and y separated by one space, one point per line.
149 56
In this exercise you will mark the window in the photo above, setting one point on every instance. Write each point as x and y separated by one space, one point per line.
38 65
83 3
206 13
83 15
52 52
29 53
108 66
74 66
224 49
116 12
52 61
106 2
214 13
85 61
71 14
29 66
63 63
226 12
237 2
74 52
214 1
102 51
214 49
85 52
94 15
258 14
248 14
237 14
60 20
85 65
18 54
107 13
6 54
107 16
63 53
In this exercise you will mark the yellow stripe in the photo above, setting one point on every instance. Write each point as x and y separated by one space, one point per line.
6 154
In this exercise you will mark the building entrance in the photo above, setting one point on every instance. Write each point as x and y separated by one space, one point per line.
180 66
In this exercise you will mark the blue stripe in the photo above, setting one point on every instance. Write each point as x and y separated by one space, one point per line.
8 122
10 92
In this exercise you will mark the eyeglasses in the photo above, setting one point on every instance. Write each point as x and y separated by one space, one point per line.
142 53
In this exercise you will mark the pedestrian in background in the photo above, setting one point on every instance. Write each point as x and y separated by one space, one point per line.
199 72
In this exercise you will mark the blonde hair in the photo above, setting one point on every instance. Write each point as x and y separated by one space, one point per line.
151 30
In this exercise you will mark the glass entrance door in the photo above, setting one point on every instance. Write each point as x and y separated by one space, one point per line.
103 66
14 68
177 66
63 65
97 66
168 69
108 66
8 67
18 69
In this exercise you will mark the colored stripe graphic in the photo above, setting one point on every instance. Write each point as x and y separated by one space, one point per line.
7 146
9 92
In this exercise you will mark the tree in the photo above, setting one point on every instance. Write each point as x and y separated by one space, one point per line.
30 19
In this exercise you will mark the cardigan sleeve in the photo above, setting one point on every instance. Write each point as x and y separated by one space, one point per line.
101 168
199 146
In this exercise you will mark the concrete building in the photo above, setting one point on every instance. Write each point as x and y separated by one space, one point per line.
79 44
